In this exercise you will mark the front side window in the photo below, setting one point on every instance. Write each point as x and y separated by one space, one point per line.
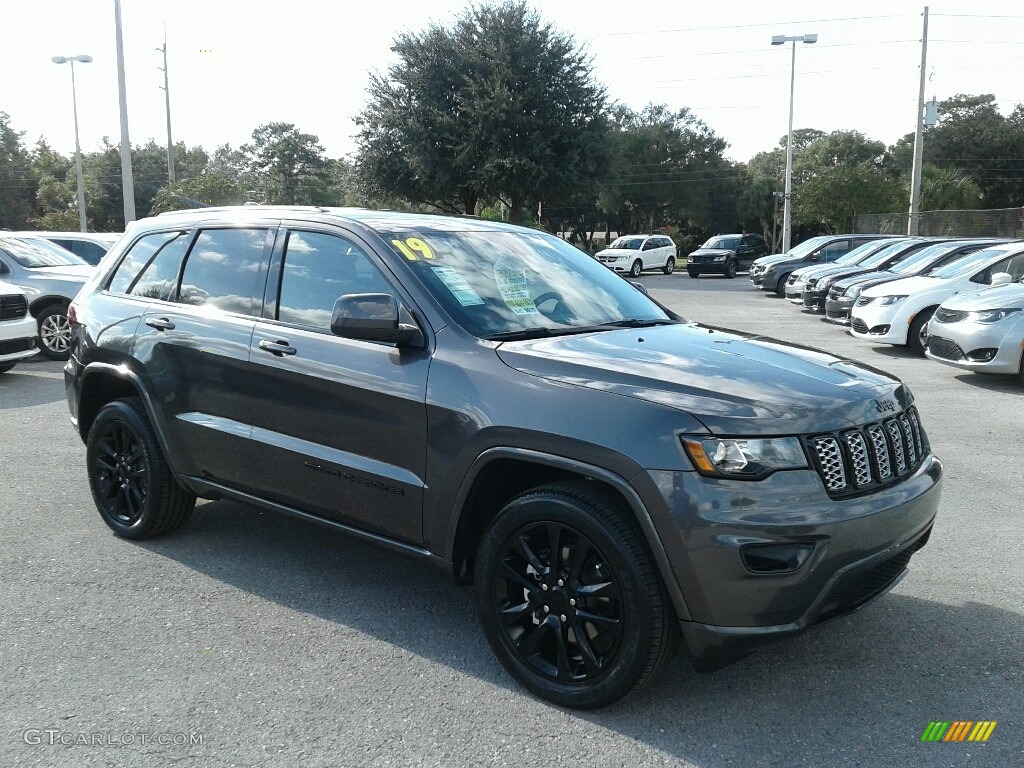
502 284
726 243
968 264
835 250
318 269
225 269
32 256
627 243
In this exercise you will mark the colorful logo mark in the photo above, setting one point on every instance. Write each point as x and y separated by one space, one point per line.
958 730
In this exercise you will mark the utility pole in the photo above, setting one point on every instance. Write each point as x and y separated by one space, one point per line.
127 182
915 179
167 96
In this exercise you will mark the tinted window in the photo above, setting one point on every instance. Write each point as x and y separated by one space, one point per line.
138 257
224 270
159 280
725 243
968 264
66 244
833 251
88 251
318 269
630 243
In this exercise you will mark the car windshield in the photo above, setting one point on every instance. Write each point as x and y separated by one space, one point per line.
859 253
727 243
885 253
628 243
799 251
968 263
33 256
505 285
917 262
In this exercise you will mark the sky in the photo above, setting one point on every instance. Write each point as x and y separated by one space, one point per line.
236 64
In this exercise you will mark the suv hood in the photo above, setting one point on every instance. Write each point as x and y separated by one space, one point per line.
77 272
736 384
714 252
765 260
1001 297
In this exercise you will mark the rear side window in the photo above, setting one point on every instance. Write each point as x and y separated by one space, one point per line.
88 251
225 269
318 269
835 250
159 255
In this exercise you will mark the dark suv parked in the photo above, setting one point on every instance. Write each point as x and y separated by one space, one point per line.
493 401
726 255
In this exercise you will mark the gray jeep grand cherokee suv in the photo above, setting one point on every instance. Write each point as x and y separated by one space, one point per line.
485 397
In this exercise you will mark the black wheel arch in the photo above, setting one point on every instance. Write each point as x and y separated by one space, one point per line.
501 473
45 302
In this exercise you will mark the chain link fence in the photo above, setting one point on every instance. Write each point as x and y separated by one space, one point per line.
992 222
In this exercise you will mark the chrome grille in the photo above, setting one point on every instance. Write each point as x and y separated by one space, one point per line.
944 348
858 458
872 456
881 452
949 315
859 325
831 460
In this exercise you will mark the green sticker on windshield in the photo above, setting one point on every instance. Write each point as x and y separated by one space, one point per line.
514 290
456 283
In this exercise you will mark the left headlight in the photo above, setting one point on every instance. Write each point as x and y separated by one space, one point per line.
993 315
750 458
888 301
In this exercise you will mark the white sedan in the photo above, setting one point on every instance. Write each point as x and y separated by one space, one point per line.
898 312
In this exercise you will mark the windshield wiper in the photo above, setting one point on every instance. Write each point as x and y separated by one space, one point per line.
632 322
520 335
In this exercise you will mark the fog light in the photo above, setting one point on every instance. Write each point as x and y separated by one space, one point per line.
981 355
775 558
880 330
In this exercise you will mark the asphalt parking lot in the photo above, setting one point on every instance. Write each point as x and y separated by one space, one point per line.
265 641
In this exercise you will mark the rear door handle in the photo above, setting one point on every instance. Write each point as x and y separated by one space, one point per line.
279 348
160 323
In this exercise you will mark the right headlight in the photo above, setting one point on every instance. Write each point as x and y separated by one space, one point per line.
749 458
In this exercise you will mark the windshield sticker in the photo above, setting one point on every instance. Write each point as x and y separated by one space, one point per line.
456 283
514 290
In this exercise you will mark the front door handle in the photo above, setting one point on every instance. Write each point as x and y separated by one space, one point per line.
160 323
279 347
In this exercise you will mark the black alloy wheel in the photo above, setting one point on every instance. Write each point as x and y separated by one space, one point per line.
133 488
730 269
569 599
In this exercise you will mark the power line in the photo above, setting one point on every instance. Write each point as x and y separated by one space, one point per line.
748 26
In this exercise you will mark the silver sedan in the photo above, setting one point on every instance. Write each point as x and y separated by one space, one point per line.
980 331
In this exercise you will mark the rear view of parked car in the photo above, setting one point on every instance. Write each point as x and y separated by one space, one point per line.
50 278
726 255
636 253
17 327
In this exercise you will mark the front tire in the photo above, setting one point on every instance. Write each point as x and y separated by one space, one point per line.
133 488
730 269
670 266
54 332
915 334
569 599
5 367
636 269
780 287
692 272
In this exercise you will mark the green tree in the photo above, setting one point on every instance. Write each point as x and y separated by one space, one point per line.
17 182
502 105
291 165
206 189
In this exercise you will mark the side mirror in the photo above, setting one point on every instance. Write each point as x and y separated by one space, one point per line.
1001 278
815 257
372 317
640 287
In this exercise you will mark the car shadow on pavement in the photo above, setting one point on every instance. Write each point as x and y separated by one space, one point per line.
993 382
857 691
25 386
899 352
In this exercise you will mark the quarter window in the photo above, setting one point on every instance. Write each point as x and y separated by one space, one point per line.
318 269
225 269
158 256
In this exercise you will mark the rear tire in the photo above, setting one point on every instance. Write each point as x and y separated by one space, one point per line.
636 269
569 599
915 334
133 488
670 266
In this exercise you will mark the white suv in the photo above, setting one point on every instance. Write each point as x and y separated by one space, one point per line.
635 253
898 312
17 327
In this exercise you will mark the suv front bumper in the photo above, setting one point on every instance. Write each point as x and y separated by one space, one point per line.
859 550
18 339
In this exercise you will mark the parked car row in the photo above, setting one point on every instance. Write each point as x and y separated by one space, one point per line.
955 300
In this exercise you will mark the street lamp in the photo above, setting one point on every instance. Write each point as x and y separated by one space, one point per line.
78 148
787 214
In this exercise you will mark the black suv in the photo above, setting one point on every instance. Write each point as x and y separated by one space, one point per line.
491 400
726 255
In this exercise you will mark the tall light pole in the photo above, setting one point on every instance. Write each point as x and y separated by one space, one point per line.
787 212
82 58
167 96
127 182
915 174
